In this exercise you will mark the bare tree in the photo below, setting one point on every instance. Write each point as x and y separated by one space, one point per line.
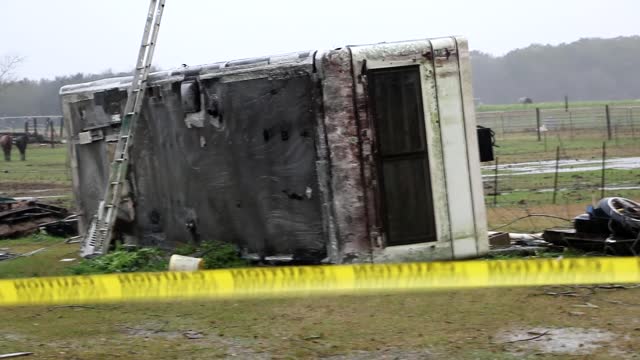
8 65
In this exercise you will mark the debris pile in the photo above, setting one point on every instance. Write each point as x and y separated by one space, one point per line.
610 227
518 244
24 217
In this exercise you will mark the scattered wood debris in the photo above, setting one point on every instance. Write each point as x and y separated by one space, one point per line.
21 218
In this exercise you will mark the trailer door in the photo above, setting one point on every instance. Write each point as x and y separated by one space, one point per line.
395 98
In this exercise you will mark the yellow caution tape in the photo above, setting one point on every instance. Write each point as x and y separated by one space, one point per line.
316 280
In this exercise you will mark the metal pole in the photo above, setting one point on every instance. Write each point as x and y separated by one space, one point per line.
633 133
51 133
538 123
604 156
495 185
61 128
555 178
608 116
35 127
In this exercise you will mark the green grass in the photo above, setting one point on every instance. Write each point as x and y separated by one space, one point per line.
522 190
526 147
520 147
578 179
43 165
44 263
555 105
449 325
528 198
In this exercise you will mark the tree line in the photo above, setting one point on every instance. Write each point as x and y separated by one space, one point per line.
584 70
587 69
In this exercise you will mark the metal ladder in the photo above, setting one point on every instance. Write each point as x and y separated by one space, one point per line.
100 232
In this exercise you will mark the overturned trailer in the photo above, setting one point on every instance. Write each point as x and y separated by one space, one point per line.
357 154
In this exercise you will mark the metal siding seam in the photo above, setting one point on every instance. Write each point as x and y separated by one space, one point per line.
464 124
442 147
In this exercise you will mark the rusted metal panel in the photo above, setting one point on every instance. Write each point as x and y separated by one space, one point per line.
229 168
346 158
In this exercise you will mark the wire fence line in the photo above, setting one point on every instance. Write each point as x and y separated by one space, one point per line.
608 121
557 156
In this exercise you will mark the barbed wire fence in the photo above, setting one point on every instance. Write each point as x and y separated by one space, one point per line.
559 161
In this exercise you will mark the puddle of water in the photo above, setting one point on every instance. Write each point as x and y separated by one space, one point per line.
546 167
574 341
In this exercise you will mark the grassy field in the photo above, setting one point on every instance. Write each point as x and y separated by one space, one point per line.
44 165
471 324
576 187
46 263
44 174
556 105
521 148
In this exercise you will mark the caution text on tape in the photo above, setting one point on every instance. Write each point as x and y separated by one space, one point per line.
311 280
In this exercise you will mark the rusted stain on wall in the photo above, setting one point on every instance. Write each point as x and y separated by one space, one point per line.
344 150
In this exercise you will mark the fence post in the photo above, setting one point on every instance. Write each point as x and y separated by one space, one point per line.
604 156
538 123
26 127
35 127
51 132
61 128
633 133
608 116
495 185
555 178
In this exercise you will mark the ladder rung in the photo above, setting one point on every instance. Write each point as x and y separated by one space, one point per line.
98 239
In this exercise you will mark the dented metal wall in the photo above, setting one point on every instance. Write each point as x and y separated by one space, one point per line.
279 154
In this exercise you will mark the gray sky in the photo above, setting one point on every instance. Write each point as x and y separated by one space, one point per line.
68 36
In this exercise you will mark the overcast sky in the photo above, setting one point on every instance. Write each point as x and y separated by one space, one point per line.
69 36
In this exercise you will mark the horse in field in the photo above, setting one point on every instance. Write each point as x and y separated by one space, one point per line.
6 142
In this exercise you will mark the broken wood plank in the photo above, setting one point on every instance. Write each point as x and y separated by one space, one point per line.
16 354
